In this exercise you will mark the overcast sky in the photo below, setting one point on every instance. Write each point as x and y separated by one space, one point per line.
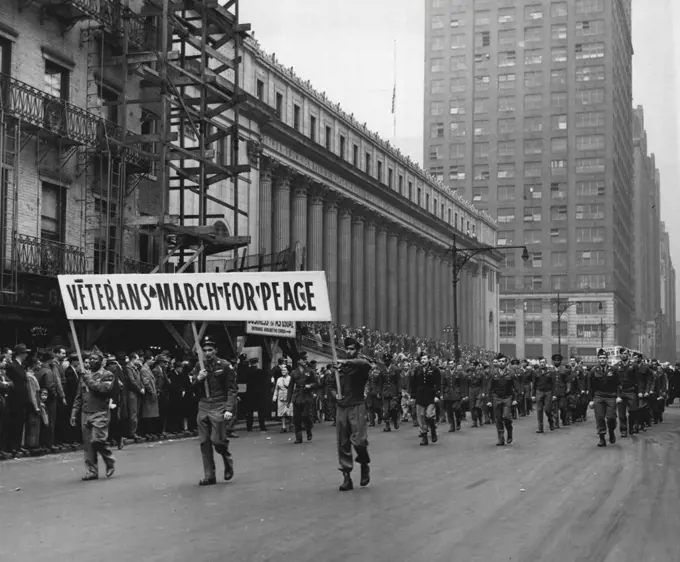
347 50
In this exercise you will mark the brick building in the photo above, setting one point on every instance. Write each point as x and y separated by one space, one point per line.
85 186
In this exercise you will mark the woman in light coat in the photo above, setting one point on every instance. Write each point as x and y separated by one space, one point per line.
281 398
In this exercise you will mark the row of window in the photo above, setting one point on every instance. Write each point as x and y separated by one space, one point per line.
586 51
591 234
584 258
584 282
533 12
534 329
509 148
507 41
534 192
535 306
587 211
482 83
531 102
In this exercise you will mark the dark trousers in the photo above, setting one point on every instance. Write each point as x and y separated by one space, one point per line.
212 433
502 412
656 407
117 425
351 432
476 405
373 407
454 413
3 424
390 408
605 413
560 409
544 405
256 403
301 414
629 406
47 433
16 420
134 404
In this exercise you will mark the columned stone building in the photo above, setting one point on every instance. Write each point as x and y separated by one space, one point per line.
353 206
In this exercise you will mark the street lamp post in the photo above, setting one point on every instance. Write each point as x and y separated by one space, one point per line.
560 312
460 257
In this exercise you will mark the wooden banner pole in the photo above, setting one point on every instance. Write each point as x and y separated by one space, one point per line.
335 361
74 334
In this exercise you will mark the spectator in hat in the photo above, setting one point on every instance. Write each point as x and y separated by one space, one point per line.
162 385
50 381
117 426
71 435
32 433
257 395
149 411
18 399
135 394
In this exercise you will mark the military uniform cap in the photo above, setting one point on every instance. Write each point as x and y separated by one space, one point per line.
303 356
514 362
557 357
208 342
602 352
500 356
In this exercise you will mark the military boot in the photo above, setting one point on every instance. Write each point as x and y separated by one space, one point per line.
433 430
509 430
423 439
603 442
501 439
347 483
387 427
365 475
452 427
612 435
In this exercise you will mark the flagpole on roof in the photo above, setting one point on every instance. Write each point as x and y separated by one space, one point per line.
394 95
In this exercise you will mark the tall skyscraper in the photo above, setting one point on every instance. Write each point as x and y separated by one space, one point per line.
528 114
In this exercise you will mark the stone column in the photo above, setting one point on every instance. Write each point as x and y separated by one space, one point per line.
314 260
330 252
370 296
403 286
484 283
439 299
392 282
447 290
298 227
381 274
430 294
463 298
281 203
412 289
345 267
422 289
358 271
265 208
476 302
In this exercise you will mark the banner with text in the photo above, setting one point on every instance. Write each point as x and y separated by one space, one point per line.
271 328
287 296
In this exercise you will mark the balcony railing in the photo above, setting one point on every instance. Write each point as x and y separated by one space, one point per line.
45 257
134 266
109 13
64 119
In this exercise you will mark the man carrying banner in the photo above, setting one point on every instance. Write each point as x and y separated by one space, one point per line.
97 386
216 389
351 414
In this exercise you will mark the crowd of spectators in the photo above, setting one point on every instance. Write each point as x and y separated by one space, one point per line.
375 343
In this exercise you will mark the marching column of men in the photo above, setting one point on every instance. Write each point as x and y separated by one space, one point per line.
361 391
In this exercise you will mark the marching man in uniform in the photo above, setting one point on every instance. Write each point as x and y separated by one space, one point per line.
604 389
425 385
350 414
391 392
216 389
95 388
502 391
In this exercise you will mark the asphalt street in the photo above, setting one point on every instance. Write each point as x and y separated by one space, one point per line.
550 498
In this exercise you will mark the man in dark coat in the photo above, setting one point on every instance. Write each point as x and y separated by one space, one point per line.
50 380
118 421
216 389
258 395
18 399
350 415
301 396
425 385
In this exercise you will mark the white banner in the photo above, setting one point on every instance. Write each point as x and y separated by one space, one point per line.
271 328
288 296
